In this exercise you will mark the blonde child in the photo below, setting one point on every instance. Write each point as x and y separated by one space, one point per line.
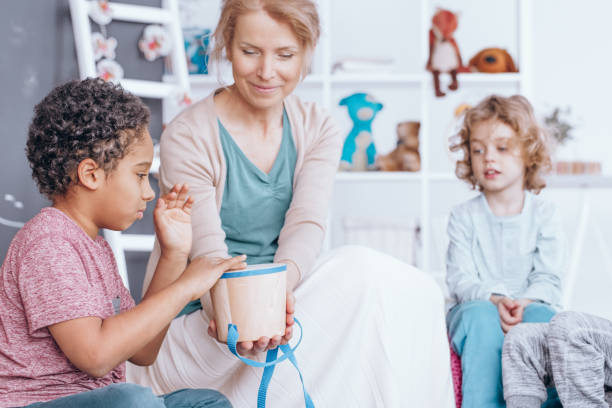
68 324
505 254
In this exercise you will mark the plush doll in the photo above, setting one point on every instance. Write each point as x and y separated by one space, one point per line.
196 50
444 53
358 152
405 157
492 60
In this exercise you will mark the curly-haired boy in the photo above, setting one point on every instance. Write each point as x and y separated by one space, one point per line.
68 324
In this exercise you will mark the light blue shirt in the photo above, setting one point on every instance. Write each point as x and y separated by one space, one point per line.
519 256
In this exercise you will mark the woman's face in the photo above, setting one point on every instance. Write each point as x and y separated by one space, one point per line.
266 58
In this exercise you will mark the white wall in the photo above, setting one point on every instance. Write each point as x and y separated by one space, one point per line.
572 62
572 54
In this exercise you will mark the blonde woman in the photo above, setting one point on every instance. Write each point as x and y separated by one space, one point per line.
260 164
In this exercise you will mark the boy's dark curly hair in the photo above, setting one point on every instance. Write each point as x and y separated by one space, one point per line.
91 118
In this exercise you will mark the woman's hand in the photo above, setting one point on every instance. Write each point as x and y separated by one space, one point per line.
264 343
172 218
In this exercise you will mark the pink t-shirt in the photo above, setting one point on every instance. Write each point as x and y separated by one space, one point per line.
53 272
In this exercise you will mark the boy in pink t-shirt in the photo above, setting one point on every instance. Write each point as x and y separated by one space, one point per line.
68 324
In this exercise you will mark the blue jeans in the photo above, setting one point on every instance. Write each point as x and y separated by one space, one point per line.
135 396
476 335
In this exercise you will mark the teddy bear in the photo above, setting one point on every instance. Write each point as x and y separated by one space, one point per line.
444 55
359 151
405 157
492 60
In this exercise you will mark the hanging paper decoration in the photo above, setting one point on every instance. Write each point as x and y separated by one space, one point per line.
185 100
101 12
103 47
109 70
155 42
181 98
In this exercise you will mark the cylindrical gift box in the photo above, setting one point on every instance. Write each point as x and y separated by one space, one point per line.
254 299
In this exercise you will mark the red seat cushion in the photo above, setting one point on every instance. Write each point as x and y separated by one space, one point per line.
456 372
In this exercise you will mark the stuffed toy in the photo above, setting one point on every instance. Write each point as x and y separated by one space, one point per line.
358 152
196 50
405 157
444 53
492 60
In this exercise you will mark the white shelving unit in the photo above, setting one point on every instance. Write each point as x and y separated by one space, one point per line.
399 30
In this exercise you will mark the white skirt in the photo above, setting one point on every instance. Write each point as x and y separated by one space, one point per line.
374 336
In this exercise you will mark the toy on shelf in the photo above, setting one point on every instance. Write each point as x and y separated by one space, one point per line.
444 53
405 157
492 61
359 152
576 167
196 50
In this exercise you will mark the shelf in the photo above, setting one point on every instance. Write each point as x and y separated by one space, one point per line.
553 181
389 78
480 78
579 181
373 79
392 176
378 176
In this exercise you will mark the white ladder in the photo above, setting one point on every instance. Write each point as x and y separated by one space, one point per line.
168 16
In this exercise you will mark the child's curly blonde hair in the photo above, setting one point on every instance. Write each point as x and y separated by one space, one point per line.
516 112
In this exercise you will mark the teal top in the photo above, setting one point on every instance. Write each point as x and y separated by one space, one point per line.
254 203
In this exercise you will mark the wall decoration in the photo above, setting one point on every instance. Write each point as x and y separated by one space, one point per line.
109 70
103 47
101 12
155 42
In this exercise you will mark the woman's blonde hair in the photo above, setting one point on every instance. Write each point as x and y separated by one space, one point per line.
516 112
301 15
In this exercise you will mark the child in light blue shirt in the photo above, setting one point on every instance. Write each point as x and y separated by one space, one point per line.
506 249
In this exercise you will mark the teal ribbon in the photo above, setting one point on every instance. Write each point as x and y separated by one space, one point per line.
271 361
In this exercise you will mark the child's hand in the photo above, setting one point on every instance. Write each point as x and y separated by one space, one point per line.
520 308
508 313
264 343
203 272
172 217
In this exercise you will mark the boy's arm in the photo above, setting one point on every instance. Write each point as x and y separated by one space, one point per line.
96 346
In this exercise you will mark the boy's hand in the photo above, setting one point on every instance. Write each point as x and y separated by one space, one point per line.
203 272
172 217
264 343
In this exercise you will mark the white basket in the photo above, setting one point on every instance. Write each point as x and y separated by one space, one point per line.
398 238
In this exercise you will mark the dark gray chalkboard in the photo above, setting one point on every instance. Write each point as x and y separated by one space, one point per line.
37 53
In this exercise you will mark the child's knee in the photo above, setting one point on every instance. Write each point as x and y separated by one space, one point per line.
563 325
197 398
476 319
523 337
538 313
478 314
132 395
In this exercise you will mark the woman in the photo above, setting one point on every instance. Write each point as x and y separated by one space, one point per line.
260 164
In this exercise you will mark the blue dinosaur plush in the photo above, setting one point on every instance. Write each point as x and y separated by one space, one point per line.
358 152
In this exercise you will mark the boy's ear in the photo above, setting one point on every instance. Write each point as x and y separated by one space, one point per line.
89 174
